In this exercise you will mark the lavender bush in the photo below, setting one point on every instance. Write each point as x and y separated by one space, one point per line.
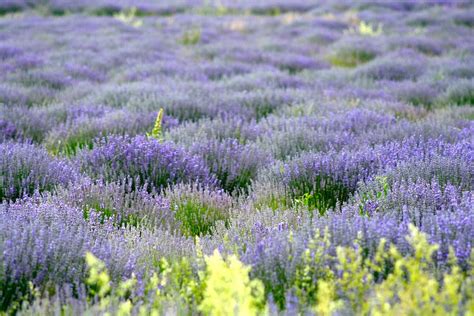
234 165
198 208
309 157
26 169
143 161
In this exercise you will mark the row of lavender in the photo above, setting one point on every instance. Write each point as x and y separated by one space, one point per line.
349 121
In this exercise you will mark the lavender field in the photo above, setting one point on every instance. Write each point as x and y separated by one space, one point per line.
193 157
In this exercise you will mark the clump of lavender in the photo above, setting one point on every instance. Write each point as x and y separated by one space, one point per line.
235 165
256 103
119 203
143 161
47 78
423 45
324 180
403 65
31 124
286 137
198 209
8 131
80 132
423 196
461 93
45 243
352 52
464 18
219 128
453 170
25 168
414 93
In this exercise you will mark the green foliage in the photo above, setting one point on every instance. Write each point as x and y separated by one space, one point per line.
191 37
80 139
350 57
322 194
304 200
198 209
14 294
271 200
214 9
314 266
367 29
196 217
228 288
386 283
98 281
129 16
382 183
273 11
107 212
157 132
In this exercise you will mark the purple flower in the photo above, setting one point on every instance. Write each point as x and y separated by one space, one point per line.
403 65
143 161
235 165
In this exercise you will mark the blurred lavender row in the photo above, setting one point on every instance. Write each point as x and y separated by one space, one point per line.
284 122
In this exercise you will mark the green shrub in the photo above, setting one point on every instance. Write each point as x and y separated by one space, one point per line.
462 93
198 209
350 56
191 37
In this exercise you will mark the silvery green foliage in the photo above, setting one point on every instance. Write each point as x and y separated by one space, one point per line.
197 209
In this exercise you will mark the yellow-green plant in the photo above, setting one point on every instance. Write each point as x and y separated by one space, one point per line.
414 288
314 265
411 288
328 303
154 289
379 196
304 200
355 279
367 29
129 16
228 288
157 132
389 283
98 281
99 287
215 7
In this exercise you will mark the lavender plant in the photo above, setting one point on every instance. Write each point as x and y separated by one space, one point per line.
26 169
234 165
143 161
198 209
248 157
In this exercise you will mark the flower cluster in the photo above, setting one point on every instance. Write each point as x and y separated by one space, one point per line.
143 161
232 157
